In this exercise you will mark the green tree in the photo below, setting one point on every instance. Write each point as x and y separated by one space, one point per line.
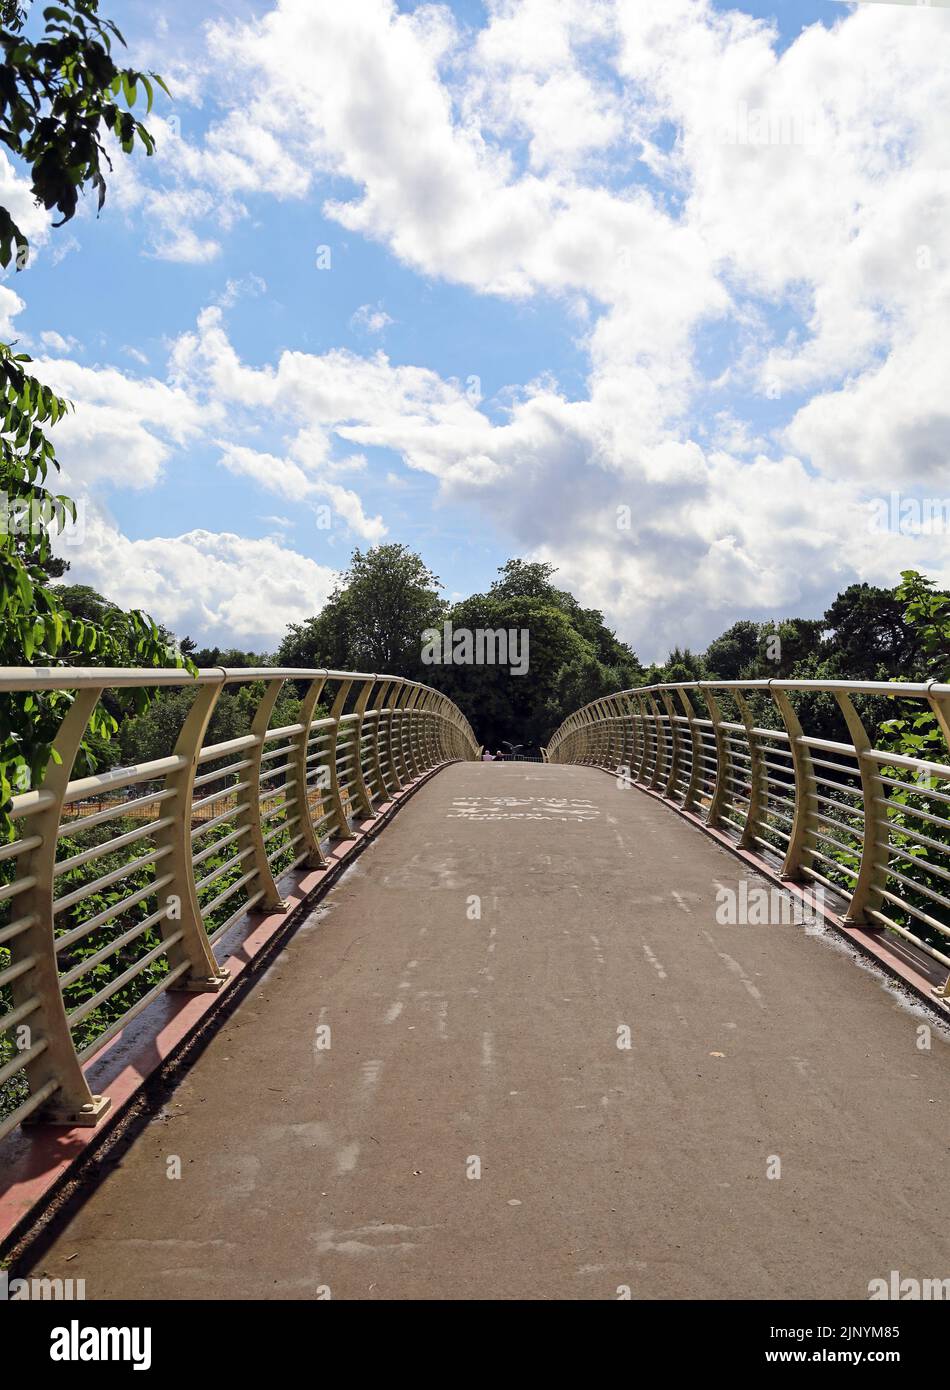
733 655
504 707
231 657
573 658
870 636
916 733
374 619
684 665
152 734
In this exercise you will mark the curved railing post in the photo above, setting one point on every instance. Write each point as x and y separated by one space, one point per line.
363 797
393 698
250 817
872 872
691 793
675 758
615 751
757 772
52 1069
626 731
596 733
340 809
185 932
377 706
397 761
315 859
426 730
643 733
449 735
632 748
606 717
383 741
805 785
723 761
660 761
412 731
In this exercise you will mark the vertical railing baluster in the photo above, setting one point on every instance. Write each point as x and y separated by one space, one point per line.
723 761
52 1066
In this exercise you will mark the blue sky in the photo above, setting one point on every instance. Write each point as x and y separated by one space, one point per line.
582 258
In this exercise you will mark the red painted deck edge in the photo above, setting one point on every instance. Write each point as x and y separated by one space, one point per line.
36 1160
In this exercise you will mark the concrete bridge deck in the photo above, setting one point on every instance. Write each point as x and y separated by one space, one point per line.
455 1037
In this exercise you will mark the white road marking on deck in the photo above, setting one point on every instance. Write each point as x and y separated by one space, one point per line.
653 961
371 1071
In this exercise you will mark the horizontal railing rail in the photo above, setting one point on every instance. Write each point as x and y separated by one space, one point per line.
868 824
119 886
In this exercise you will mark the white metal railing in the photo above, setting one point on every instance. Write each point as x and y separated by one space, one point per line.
867 823
117 887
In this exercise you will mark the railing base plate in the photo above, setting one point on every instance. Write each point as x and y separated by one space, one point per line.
86 1117
201 984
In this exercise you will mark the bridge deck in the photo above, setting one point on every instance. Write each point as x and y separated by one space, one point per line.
497 1038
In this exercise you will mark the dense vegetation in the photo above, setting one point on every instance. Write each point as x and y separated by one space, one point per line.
387 599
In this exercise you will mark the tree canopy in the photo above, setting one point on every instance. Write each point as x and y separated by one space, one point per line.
374 618
388 598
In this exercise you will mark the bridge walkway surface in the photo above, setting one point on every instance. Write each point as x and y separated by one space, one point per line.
460 1041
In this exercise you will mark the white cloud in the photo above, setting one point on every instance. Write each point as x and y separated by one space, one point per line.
10 305
661 169
248 286
289 480
221 587
55 342
17 197
122 429
370 318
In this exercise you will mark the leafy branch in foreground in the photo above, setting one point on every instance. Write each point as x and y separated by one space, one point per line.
57 94
60 96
